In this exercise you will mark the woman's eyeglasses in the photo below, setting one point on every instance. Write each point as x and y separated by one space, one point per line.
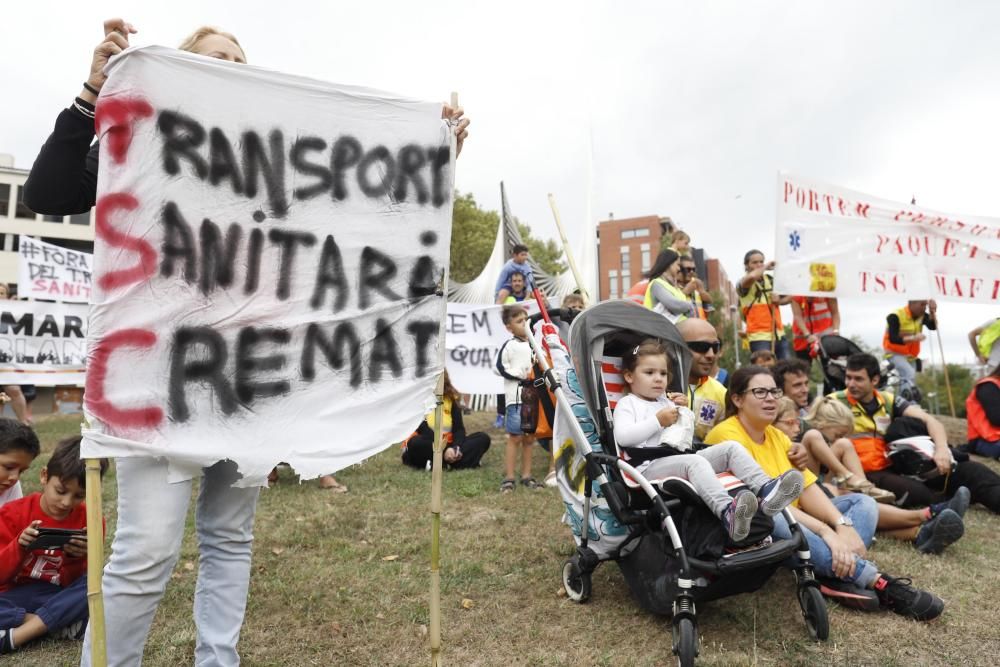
702 347
760 393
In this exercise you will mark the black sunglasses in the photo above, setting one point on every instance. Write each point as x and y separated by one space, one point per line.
688 269
701 347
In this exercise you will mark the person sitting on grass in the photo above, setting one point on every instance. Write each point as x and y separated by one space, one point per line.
838 530
823 433
930 529
514 364
44 590
18 448
460 450
642 419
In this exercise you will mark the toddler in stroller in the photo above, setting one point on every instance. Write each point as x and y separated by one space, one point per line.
669 546
655 434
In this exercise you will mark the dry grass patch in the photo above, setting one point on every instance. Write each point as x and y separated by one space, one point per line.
341 579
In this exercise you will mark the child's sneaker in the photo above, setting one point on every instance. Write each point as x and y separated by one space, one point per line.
499 422
898 595
780 492
739 514
958 503
73 631
7 641
939 532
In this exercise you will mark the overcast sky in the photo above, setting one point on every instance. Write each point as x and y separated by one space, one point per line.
692 107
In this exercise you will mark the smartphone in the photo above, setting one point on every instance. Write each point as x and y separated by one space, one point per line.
55 538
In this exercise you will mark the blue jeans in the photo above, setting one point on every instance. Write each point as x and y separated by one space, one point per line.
907 372
58 607
860 509
781 349
151 518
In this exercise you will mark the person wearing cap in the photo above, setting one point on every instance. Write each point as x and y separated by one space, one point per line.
760 306
903 334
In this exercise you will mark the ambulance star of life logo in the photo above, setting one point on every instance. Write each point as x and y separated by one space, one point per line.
707 412
794 240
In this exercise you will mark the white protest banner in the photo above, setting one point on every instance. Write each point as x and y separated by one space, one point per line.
42 343
474 334
268 253
836 242
46 271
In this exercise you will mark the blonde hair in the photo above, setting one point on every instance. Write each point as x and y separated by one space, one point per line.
679 235
786 406
827 412
204 31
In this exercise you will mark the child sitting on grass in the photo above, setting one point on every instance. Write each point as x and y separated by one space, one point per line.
642 416
44 591
18 448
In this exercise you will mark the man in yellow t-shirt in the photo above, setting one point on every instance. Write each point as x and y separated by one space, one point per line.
706 395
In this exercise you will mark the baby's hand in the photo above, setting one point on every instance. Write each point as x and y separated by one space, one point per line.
668 415
29 534
678 399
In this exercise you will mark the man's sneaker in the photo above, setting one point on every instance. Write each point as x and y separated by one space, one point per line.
72 631
499 422
939 532
550 480
898 595
780 492
738 515
958 503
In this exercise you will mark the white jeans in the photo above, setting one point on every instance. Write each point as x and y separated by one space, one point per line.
151 518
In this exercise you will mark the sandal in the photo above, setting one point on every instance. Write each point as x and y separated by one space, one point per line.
508 486
531 483
330 483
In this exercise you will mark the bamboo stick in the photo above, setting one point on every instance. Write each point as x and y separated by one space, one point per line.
569 253
944 366
437 476
95 563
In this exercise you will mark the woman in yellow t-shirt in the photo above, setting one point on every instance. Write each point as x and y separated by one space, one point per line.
839 530
461 450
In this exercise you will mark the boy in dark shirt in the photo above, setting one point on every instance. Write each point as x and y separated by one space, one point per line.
43 591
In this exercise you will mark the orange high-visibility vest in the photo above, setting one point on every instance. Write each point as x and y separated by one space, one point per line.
979 425
816 311
763 318
908 326
637 292
869 430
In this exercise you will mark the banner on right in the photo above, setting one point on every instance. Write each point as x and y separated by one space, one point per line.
836 242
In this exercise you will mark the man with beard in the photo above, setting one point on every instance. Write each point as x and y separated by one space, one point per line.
706 396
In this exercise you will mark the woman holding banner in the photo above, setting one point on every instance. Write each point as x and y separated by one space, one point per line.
152 509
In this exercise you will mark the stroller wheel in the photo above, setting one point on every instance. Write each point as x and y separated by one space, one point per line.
814 612
576 581
685 642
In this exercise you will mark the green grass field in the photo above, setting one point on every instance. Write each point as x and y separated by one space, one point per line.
342 579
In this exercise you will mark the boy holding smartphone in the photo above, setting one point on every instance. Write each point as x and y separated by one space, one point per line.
42 587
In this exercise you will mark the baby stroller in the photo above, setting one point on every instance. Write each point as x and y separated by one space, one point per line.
669 547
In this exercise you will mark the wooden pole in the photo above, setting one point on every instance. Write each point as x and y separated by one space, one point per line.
95 565
569 253
437 462
944 366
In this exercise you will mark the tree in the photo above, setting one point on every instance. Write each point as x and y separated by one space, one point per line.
473 233
935 393
546 253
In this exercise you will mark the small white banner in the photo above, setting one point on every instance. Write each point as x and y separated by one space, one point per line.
42 343
46 271
474 334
